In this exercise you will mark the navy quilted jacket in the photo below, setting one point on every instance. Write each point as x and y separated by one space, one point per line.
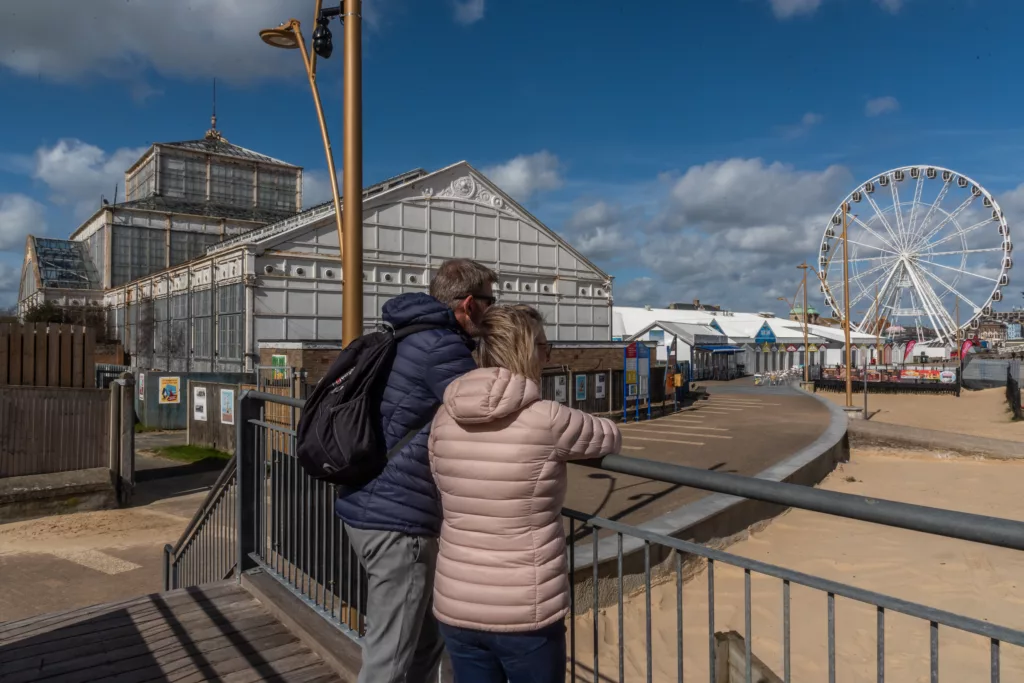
403 498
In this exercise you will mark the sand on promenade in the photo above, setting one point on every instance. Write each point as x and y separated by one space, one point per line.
966 578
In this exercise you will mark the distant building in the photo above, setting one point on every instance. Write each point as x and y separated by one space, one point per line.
796 314
695 306
992 331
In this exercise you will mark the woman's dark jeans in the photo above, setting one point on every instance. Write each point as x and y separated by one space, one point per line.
488 657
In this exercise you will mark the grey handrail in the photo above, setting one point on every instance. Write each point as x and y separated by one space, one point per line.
996 531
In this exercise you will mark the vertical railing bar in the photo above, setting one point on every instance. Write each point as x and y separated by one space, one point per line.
880 646
994 653
622 641
785 631
831 638
711 621
572 599
647 611
679 615
934 651
746 622
594 564
304 515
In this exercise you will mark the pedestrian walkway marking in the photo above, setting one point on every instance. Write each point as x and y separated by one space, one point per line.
741 402
94 559
642 438
720 411
633 448
678 424
676 432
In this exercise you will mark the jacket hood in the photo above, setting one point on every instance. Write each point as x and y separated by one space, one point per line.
488 394
417 308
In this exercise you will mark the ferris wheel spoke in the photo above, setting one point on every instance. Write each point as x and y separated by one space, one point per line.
953 290
900 229
870 258
959 233
874 269
929 254
918 190
931 209
933 305
866 290
881 296
874 234
869 246
881 218
964 272
951 217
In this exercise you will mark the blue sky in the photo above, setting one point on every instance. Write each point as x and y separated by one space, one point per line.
693 150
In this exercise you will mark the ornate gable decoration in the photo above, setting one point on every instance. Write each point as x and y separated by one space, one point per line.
468 188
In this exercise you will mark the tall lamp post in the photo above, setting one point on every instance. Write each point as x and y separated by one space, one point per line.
807 354
846 310
350 242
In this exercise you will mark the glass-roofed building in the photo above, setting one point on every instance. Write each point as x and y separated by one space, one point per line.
180 199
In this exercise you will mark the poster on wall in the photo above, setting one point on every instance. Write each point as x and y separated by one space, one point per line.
170 390
142 386
581 387
227 406
199 403
279 363
599 389
560 392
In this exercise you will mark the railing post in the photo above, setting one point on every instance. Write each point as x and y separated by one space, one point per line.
246 443
168 551
127 429
114 438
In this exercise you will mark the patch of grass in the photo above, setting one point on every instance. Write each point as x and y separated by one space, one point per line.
141 428
192 453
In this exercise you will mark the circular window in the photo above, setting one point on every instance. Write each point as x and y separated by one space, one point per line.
583 292
365 277
526 288
268 269
508 285
546 288
328 273
412 279
599 292
387 277
300 271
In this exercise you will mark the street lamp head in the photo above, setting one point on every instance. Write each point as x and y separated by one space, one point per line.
323 43
284 36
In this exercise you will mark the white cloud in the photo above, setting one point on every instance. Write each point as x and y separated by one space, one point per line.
64 41
9 277
468 11
527 174
20 216
316 187
807 122
881 105
785 9
77 173
599 231
639 291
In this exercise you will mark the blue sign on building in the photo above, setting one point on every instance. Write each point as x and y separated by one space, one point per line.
765 335
714 324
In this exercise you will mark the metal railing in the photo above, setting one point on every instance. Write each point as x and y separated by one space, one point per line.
265 512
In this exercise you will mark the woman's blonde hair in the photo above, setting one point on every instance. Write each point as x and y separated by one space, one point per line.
508 339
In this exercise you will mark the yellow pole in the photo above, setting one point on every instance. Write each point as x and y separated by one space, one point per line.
352 254
846 311
807 354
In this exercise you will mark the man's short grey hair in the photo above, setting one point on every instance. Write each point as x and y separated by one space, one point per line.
458 278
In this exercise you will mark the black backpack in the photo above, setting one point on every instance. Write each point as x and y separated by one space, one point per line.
340 440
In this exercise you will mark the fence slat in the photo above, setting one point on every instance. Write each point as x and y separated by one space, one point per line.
41 336
89 358
77 357
15 355
5 353
65 355
28 354
53 356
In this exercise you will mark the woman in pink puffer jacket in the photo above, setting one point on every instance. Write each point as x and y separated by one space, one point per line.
498 454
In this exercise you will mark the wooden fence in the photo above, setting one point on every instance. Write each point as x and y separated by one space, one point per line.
45 430
47 355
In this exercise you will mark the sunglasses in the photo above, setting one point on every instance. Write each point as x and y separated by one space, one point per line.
489 300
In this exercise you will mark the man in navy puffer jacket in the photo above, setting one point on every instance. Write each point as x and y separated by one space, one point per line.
394 521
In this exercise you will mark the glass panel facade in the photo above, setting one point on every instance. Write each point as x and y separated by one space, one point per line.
230 314
202 310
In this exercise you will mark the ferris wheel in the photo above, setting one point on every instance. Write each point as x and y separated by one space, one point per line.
929 252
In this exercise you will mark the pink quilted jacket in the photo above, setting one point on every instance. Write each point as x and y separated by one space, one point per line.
498 455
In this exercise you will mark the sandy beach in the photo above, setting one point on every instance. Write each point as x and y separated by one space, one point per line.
958 576
978 413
